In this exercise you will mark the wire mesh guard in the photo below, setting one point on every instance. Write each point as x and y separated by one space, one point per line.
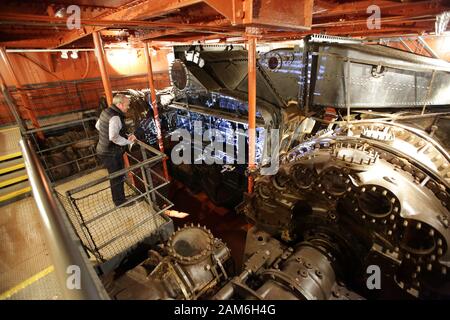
84 188
68 149
107 230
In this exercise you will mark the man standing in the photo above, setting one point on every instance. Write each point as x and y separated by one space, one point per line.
112 143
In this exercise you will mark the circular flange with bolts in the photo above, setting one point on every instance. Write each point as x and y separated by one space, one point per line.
191 244
354 153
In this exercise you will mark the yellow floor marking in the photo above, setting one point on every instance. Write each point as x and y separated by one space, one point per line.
12 168
26 283
10 156
13 180
14 194
9 129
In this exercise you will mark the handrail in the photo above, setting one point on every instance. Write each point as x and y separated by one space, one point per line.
149 148
118 173
67 256
60 125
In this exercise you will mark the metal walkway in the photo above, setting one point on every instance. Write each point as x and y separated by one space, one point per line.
26 271
95 201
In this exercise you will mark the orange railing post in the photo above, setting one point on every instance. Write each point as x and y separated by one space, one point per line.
155 107
251 40
100 54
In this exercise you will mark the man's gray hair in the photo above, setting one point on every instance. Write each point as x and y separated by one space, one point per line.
119 98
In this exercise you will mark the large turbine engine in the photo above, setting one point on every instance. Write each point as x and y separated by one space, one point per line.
373 193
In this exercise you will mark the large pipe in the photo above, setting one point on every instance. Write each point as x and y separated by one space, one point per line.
100 54
67 256
23 96
251 107
155 107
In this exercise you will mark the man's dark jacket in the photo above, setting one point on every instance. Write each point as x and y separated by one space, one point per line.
106 147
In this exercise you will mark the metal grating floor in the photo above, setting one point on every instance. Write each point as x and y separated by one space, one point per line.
60 118
23 253
46 288
96 200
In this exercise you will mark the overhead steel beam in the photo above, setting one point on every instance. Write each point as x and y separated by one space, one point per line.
233 10
405 45
134 10
189 38
326 4
387 8
279 13
116 17
214 24
29 43
383 20
161 33
428 48
28 19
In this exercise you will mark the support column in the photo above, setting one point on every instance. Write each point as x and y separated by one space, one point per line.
155 107
26 102
100 54
251 40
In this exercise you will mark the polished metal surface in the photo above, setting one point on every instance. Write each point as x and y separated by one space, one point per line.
374 77
367 193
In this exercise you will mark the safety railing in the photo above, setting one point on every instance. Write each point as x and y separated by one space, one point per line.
82 190
68 148
67 255
108 230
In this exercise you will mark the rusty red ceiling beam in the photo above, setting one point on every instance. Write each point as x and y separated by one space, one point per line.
133 10
85 23
239 12
28 43
221 24
387 8
325 4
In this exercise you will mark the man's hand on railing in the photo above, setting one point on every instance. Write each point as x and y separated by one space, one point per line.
133 139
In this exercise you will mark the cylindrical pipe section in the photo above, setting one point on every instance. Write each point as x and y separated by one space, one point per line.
251 107
100 54
308 270
227 291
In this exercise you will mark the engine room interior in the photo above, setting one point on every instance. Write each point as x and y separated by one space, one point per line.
204 151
